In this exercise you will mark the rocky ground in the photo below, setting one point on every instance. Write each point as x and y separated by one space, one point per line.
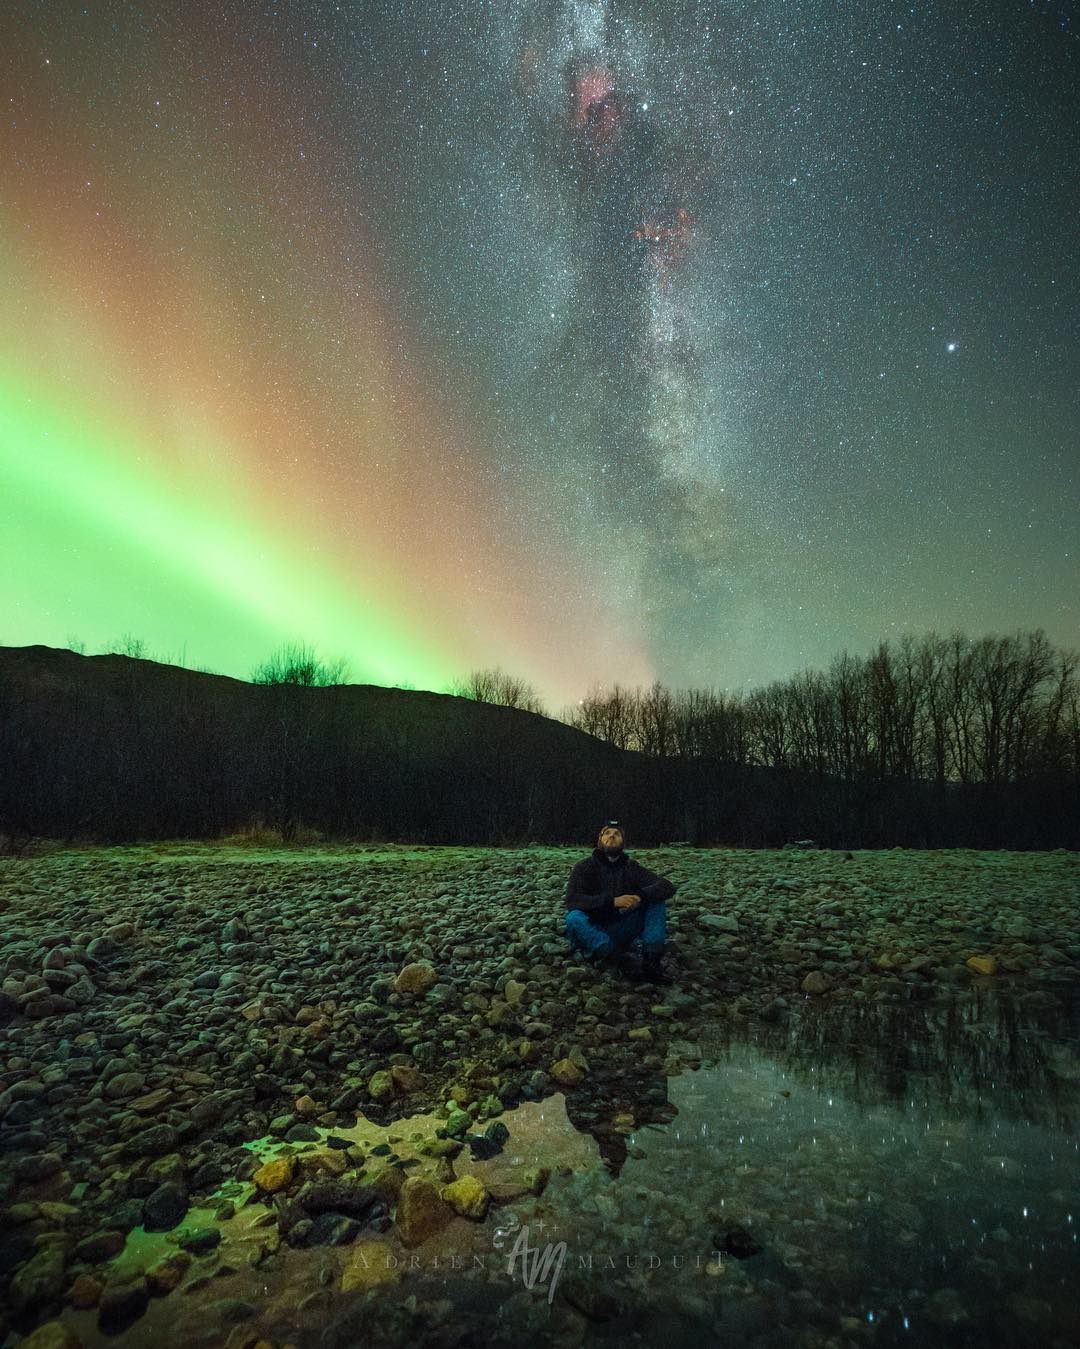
162 1006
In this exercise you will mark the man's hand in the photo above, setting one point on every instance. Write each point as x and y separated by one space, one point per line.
627 901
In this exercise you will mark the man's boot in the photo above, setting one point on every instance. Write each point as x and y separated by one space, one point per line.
652 966
615 962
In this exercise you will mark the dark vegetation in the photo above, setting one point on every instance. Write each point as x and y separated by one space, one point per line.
938 742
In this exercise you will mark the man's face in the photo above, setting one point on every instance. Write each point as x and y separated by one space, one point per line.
611 839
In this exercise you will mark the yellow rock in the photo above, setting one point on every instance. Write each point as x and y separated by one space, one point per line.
567 1072
421 1211
982 964
370 1264
52 1335
275 1175
468 1195
242 1337
328 1161
639 1033
415 978
817 981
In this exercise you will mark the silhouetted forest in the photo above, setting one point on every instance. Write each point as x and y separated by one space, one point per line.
938 742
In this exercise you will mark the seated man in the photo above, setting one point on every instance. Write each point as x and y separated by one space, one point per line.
611 901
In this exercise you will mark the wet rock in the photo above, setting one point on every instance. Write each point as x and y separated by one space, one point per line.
235 930
536 1177
415 978
467 1196
595 1302
566 1072
152 1101
817 981
37 1167
381 1086
85 1292
122 1305
719 922
405 1078
165 1276
39 1282
333 1229
482 1148
198 1240
457 1122
946 1307
275 1175
737 1242
154 1141
100 1246
167 1206
52 1335
421 1211
123 1085
337 1196
368 1266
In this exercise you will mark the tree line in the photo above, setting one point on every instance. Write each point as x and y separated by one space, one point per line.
942 709
999 708
938 742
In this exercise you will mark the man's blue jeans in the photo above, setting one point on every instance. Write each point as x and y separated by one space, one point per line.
645 922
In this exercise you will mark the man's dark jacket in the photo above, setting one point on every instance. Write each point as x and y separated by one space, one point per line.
596 880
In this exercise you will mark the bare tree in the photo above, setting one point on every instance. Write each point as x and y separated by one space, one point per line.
1059 747
618 717
299 663
656 721
495 686
589 716
851 705
128 645
932 668
960 706
1034 670
769 730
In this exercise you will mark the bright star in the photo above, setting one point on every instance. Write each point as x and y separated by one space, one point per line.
951 346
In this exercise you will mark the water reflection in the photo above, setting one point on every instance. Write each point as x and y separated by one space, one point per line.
911 1175
990 1055
856 1174
609 1110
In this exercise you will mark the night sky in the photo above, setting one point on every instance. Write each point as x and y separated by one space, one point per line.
596 341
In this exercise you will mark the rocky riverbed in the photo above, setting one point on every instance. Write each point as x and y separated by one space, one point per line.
177 1019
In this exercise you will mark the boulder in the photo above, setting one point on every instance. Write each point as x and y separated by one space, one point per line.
468 1196
421 1211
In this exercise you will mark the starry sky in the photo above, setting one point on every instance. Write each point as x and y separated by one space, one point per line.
597 341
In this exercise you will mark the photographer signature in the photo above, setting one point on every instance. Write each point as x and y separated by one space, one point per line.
537 1263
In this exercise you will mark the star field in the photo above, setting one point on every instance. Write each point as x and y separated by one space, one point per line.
600 341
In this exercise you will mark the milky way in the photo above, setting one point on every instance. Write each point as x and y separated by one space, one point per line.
600 341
